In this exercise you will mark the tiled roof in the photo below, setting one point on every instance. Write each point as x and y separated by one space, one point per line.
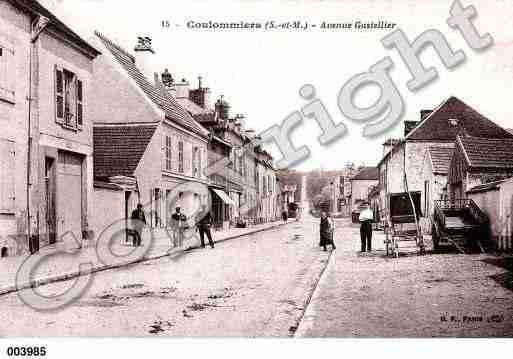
205 117
436 126
366 174
190 106
440 159
174 112
488 152
118 149
491 186
107 185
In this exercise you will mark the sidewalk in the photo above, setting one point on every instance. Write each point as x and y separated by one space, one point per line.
65 265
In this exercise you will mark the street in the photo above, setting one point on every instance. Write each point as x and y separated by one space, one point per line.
257 285
261 285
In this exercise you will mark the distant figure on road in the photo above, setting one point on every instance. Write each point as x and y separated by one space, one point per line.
204 223
327 228
284 215
179 224
138 223
366 218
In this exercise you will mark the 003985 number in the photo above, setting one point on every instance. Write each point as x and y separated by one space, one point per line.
26 351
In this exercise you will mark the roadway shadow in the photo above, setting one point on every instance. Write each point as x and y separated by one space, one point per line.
505 279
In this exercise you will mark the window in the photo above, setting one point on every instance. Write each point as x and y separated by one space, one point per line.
200 164
195 160
427 196
69 99
7 160
180 157
7 72
167 154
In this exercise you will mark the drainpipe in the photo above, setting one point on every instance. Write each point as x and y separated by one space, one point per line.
37 27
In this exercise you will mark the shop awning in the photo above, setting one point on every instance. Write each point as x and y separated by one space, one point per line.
224 197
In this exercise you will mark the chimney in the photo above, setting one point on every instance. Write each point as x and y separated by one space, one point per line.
424 114
222 109
409 126
201 95
182 89
168 82
144 57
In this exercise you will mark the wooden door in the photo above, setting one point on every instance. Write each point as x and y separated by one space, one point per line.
69 194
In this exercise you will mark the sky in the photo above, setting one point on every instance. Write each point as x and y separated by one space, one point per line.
261 72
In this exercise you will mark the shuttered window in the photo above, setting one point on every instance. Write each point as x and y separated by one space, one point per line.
7 161
69 99
80 106
180 157
168 153
7 71
59 95
200 164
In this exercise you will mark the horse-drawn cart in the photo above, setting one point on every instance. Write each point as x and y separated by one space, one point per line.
403 226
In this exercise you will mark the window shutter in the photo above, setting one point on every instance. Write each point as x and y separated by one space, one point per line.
7 71
180 157
80 103
187 158
59 94
7 161
200 164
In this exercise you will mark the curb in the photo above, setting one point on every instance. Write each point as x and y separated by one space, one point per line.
100 268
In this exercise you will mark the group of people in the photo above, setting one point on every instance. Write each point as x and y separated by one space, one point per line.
327 229
203 225
179 224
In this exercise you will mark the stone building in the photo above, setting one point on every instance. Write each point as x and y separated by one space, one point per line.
436 128
46 174
495 199
145 141
361 185
477 161
434 172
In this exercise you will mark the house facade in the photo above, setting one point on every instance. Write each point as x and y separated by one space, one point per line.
434 172
477 161
144 140
495 199
361 185
46 148
436 128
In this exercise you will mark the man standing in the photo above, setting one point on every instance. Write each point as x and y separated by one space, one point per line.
284 215
204 223
366 218
179 222
138 223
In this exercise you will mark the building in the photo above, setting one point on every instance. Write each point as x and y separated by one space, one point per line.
249 177
495 199
477 161
435 128
145 141
197 103
434 172
46 174
361 185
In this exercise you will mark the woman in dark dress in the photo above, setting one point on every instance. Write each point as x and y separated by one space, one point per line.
326 231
